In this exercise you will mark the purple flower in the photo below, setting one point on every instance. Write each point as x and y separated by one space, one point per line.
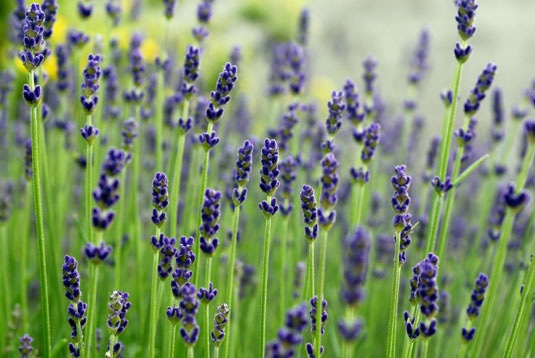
97 254
355 113
210 214
336 110
85 10
189 305
369 76
371 140
221 96
477 94
310 212
118 307
466 13
220 322
77 38
288 168
50 8
356 256
25 348
419 62
169 8
269 171
515 201
478 296
33 40
90 86
114 12
400 204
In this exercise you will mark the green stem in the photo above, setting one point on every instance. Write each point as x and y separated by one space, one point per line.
190 352
311 253
153 291
360 199
175 194
425 348
204 178
118 231
323 261
282 280
24 258
501 253
216 352
444 153
88 184
172 339
267 243
230 282
527 292
391 345
408 343
92 307
45 309
207 310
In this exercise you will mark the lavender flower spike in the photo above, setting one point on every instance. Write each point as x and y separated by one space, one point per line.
221 96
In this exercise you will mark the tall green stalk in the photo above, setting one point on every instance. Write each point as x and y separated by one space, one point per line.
24 257
501 251
207 309
282 280
444 154
45 309
265 270
94 269
88 184
392 325
451 197
118 231
232 263
321 284
175 193
526 293
153 304
204 178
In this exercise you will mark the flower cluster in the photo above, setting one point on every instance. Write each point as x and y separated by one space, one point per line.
114 11
34 44
136 68
107 192
476 301
371 139
220 322
90 86
118 307
357 252
241 174
50 8
25 348
191 71
221 96
466 13
77 309
268 176
514 200
400 204
290 336
334 121
369 76
189 306
424 291
477 94
160 198
498 114
288 168
419 62
313 314
310 212
97 254
169 8
210 213
355 113
329 186
288 121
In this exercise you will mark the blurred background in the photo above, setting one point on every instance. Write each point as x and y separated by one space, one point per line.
343 33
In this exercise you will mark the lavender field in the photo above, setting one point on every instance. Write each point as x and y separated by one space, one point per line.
280 179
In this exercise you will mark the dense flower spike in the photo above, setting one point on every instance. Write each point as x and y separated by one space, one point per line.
160 198
77 38
357 251
189 305
371 140
355 113
220 322
313 314
242 172
288 168
310 212
336 110
191 71
25 348
288 121
369 76
269 171
477 94
90 86
114 11
184 259
419 62
304 24
50 8
118 307
221 96
466 13
210 213
498 113
77 309
400 204
329 187
289 336
478 296
169 8
34 44
97 254
515 201
529 130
